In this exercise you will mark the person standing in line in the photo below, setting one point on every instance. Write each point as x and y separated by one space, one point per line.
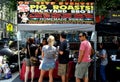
104 61
30 47
48 59
27 60
63 58
81 69
38 51
44 41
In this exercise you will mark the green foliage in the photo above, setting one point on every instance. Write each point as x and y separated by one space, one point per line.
103 6
13 4
11 35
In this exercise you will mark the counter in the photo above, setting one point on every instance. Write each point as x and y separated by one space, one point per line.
37 71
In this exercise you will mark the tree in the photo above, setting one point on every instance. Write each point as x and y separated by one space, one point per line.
13 4
103 6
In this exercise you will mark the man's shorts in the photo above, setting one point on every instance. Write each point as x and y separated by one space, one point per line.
62 69
81 70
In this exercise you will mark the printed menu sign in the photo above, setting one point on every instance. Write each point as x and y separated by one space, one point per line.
55 12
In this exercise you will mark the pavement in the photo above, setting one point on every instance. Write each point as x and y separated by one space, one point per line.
14 75
16 78
36 80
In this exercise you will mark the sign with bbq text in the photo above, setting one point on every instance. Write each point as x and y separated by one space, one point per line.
55 12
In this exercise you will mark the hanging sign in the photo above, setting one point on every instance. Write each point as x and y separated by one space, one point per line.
55 12
9 27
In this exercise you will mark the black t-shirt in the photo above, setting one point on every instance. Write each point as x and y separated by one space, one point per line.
64 58
30 50
33 47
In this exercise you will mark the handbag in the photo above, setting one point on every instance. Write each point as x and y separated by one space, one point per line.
33 59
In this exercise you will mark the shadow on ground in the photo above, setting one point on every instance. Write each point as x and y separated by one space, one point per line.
17 79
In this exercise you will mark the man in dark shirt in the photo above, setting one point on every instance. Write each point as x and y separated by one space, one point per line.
63 58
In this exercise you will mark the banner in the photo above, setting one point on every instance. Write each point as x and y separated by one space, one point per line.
55 12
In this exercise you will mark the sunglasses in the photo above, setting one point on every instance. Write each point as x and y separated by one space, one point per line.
80 36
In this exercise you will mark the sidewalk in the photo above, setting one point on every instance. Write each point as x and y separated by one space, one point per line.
17 79
14 75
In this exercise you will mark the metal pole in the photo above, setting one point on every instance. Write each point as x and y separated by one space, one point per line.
18 34
18 39
95 47
18 56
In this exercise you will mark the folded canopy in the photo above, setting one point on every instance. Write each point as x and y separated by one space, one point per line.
56 27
